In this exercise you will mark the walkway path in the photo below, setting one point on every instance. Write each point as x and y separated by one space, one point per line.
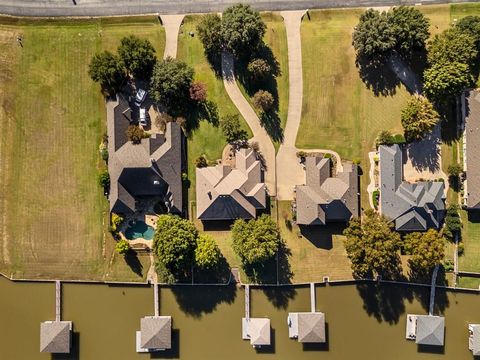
137 7
171 23
290 171
259 134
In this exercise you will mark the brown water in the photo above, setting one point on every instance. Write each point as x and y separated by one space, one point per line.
363 321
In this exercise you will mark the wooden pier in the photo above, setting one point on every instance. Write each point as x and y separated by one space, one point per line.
58 300
432 290
155 298
247 301
312 298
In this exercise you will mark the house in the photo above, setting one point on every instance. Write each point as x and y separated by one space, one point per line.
324 198
426 329
55 337
471 149
155 334
411 206
307 327
146 171
257 330
226 192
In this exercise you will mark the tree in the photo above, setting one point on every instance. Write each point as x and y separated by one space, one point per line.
138 56
170 84
116 221
418 118
470 25
242 30
122 247
373 36
426 249
453 223
442 81
104 179
452 46
384 137
207 253
454 170
410 28
255 241
174 242
135 134
198 91
259 69
201 162
263 101
230 125
107 69
210 33
372 246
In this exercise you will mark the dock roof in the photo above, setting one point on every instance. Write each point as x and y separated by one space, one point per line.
430 330
55 336
259 331
475 343
156 332
311 327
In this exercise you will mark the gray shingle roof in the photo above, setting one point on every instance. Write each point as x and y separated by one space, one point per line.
472 153
430 330
156 332
55 336
151 168
413 207
259 331
226 193
476 340
324 198
311 327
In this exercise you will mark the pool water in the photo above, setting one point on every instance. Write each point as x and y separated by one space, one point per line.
139 230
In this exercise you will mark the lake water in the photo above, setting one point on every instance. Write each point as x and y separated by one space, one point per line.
363 321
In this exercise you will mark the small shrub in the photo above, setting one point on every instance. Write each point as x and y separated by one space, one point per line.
198 91
356 161
135 134
263 101
448 265
122 247
454 170
461 249
375 198
201 162
116 221
255 146
104 179
258 69
301 154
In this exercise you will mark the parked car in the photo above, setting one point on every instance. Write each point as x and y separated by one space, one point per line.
143 117
140 97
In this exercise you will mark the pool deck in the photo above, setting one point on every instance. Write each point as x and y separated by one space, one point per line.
149 219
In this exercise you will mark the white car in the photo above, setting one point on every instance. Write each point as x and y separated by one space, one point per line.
140 97
143 117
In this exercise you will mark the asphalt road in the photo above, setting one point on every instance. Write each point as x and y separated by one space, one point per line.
51 8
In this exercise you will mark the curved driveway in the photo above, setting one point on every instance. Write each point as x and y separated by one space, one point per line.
138 7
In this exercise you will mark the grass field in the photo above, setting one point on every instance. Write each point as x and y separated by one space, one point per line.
51 123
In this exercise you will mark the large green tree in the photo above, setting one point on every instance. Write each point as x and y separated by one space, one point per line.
373 36
210 33
470 25
256 241
108 70
138 56
242 30
372 246
410 28
418 118
427 249
444 80
452 45
231 128
170 84
207 253
174 242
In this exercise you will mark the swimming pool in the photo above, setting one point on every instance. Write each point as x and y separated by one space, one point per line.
139 230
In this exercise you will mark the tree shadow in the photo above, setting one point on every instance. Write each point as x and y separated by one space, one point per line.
197 301
202 111
425 154
322 236
271 122
378 76
221 274
131 258
448 120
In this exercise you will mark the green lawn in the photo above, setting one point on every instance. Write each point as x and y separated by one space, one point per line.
51 122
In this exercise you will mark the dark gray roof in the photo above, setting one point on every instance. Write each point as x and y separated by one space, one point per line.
156 332
412 206
324 198
55 336
430 330
152 168
472 151
226 193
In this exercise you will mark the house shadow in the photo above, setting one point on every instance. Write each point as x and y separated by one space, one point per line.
74 350
322 236
378 76
425 154
217 225
174 352
318 346
268 349
196 301
473 216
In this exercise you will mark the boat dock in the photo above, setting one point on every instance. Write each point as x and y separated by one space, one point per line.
155 299
58 300
312 298
432 290
247 301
